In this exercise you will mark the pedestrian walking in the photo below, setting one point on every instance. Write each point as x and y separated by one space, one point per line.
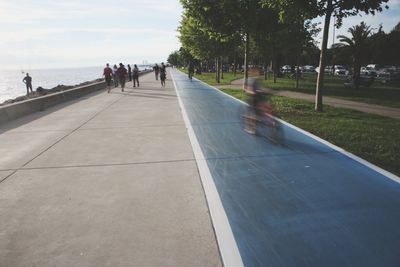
129 72
156 69
108 73
27 80
122 72
163 74
135 76
115 76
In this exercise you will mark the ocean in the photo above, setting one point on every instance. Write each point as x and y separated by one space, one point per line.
11 85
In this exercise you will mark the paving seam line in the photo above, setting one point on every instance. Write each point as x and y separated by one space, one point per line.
106 165
334 147
59 140
156 162
132 127
226 242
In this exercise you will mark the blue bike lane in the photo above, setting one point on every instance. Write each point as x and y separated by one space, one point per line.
305 203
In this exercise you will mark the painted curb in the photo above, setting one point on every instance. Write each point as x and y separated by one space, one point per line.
226 241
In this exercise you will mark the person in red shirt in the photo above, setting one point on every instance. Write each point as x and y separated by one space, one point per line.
107 73
121 73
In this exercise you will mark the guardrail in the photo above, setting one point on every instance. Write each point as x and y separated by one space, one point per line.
18 109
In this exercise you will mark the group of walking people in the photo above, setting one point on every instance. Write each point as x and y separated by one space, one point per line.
119 75
160 71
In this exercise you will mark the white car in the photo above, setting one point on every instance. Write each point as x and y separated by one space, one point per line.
328 69
308 68
384 74
286 69
367 71
341 70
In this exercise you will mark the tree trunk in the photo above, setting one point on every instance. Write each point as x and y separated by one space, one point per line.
216 69
298 72
234 64
265 70
320 79
275 67
246 58
356 73
270 67
222 68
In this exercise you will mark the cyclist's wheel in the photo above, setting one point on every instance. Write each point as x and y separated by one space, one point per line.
271 129
277 134
248 120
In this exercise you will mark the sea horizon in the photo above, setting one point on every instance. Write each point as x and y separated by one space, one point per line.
11 85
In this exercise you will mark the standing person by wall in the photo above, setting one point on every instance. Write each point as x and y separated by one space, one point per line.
135 76
129 72
27 80
107 73
115 76
156 69
122 72
163 74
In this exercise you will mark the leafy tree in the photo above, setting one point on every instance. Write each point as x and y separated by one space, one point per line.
385 46
339 8
180 58
377 43
203 43
396 28
392 46
358 44
196 40
225 19
174 59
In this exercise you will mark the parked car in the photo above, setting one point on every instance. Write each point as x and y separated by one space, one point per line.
341 70
286 69
373 67
384 75
328 69
368 71
308 68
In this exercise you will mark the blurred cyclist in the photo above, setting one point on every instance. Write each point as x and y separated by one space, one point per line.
255 97
190 70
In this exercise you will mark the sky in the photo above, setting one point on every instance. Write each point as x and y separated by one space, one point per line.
388 18
76 33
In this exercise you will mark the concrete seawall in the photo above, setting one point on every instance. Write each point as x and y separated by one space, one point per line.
16 110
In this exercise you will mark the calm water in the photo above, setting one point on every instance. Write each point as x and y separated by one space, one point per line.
11 85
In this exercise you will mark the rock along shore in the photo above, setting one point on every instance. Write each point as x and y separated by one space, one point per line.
40 91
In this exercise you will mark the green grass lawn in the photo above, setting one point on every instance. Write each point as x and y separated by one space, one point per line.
209 77
380 94
371 137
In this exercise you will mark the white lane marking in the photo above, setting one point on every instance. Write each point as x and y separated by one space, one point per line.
227 245
334 147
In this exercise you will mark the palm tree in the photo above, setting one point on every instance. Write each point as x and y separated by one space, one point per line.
358 45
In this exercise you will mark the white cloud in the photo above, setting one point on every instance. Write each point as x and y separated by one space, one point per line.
10 37
30 11
384 18
75 32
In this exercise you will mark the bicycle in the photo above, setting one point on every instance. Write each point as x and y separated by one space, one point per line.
261 122
190 75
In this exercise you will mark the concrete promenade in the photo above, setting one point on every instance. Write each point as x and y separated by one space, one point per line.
105 180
